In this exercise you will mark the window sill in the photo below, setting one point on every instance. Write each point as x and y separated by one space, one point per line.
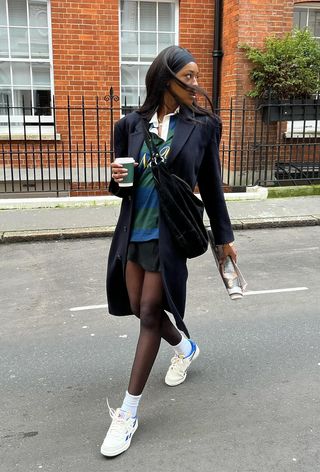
29 137
308 129
301 135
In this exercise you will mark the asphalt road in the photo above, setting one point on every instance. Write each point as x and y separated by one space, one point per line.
251 401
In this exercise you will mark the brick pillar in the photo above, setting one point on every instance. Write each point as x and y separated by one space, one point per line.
196 34
85 40
246 21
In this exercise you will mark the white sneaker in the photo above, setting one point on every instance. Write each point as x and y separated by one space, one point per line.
177 371
119 434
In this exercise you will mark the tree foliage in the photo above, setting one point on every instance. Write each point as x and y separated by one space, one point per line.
286 67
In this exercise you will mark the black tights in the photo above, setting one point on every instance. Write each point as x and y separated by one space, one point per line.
145 291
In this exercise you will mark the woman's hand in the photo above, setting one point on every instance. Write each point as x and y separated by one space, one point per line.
118 172
228 250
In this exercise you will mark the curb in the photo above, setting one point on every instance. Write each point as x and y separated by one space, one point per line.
252 193
55 234
57 202
7 237
276 222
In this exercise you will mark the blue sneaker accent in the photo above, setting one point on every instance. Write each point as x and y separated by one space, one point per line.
193 347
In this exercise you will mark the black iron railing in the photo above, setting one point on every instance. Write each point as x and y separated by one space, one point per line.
68 149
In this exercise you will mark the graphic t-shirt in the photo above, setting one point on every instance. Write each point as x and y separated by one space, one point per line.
146 203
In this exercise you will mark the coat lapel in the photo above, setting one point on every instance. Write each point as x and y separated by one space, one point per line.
181 134
135 141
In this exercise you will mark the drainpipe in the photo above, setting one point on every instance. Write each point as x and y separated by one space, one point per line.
217 53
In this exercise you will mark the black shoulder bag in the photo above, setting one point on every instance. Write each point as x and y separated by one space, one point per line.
179 207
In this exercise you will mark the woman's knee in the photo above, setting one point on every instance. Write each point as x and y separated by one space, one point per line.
135 309
150 316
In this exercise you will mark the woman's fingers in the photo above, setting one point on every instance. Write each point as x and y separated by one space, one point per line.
228 250
118 171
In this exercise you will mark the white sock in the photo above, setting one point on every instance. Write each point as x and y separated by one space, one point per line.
184 347
130 404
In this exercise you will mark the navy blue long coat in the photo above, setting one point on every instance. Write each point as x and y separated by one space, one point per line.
194 157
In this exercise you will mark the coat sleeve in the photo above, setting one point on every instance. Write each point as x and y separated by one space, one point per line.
210 187
120 150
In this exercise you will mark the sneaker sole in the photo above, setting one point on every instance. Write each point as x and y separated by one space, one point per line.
113 453
174 384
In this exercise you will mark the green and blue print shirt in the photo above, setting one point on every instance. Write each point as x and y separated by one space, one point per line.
146 203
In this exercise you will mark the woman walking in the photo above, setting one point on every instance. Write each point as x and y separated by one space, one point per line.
146 273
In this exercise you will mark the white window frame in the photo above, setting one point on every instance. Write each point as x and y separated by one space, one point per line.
308 7
145 63
19 128
308 128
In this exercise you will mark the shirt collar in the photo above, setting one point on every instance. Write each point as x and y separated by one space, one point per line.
154 119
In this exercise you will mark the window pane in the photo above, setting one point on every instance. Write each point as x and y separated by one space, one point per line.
22 98
19 42
39 42
300 18
21 74
165 40
42 102
142 95
5 74
5 96
131 96
148 46
129 16
314 22
4 49
148 16
3 13
142 75
38 14
129 75
166 17
41 75
129 46
17 12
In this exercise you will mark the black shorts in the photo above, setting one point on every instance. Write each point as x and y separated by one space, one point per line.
146 254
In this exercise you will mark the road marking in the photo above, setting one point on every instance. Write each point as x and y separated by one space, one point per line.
88 307
249 292
304 249
279 290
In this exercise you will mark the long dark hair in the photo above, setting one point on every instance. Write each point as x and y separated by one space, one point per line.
159 74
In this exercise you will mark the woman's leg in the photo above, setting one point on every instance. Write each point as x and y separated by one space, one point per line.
150 331
134 282
169 332
146 293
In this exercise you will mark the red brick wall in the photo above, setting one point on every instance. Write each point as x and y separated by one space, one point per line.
196 34
249 21
85 41
85 37
246 21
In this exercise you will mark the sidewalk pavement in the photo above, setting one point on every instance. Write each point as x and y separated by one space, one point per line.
52 219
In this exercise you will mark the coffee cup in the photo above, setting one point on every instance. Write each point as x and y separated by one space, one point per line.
127 163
